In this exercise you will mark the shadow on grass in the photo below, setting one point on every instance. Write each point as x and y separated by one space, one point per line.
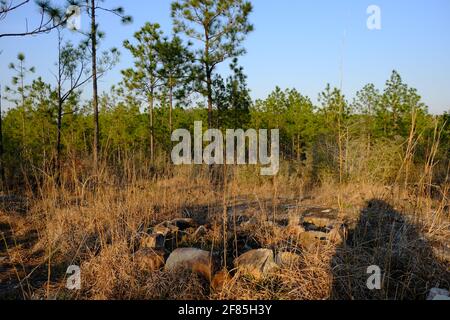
384 238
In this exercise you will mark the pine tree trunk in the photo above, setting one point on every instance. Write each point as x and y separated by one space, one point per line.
152 139
59 119
170 108
96 149
208 79
58 139
2 168
210 100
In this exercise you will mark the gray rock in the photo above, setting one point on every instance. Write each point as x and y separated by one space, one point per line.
192 259
256 263
166 229
153 241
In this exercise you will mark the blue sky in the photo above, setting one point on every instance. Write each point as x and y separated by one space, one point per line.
296 44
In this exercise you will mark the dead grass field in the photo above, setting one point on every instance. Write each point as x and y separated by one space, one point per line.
99 228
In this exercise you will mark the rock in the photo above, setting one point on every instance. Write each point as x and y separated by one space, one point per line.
149 259
153 241
320 219
439 294
183 223
287 259
220 280
165 228
257 263
312 238
195 260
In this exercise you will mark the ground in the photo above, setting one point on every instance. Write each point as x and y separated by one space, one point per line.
101 233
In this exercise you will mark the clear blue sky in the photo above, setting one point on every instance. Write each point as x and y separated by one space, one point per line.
296 43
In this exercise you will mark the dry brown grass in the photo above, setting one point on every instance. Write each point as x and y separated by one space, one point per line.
97 227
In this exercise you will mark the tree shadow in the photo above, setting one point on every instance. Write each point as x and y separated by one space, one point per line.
23 268
383 237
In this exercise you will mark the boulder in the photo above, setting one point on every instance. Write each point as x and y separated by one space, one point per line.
256 263
192 259
152 241
438 294
149 259
311 239
287 259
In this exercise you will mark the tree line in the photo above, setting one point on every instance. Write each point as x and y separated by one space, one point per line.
171 75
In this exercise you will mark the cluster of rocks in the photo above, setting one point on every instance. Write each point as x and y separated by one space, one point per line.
162 238
158 248
317 226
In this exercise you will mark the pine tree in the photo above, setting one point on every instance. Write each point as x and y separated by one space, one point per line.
144 78
220 27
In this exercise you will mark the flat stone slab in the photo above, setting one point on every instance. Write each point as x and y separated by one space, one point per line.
256 263
312 238
320 218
